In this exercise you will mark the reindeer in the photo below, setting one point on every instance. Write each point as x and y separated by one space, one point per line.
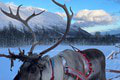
67 65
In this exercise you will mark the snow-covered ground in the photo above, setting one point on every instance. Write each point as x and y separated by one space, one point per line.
6 74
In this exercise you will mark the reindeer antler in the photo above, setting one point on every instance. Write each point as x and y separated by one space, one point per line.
21 56
69 18
25 22
13 57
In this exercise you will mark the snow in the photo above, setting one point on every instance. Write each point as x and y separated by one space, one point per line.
46 19
6 74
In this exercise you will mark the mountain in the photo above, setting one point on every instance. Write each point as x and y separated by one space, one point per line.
47 19
117 35
112 31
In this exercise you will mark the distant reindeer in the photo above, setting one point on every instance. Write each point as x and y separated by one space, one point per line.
67 65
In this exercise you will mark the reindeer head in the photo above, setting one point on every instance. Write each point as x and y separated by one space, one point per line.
32 70
33 64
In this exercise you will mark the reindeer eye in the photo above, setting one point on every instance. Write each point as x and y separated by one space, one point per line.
33 69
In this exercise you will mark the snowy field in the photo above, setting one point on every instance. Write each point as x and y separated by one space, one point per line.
6 74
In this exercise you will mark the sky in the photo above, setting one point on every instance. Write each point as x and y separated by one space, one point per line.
90 15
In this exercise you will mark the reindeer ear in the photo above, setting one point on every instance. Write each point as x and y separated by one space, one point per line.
44 59
47 58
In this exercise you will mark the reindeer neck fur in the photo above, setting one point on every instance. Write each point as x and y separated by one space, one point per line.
71 58
57 67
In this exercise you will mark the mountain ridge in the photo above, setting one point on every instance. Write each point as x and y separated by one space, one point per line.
46 19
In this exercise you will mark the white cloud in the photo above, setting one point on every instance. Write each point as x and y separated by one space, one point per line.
93 17
63 15
88 18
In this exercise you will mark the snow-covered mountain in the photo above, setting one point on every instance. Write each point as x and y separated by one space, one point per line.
47 19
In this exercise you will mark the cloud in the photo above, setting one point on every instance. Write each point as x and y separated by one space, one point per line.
63 15
86 18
